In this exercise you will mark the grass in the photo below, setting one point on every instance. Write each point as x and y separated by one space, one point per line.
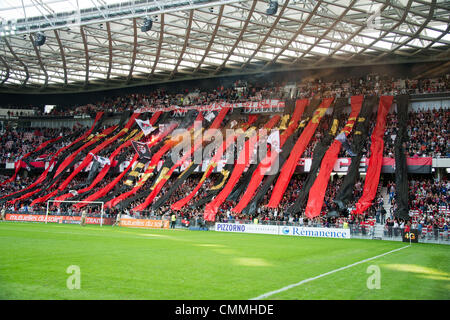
126 263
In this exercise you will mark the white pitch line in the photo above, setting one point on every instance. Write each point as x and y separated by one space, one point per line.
268 294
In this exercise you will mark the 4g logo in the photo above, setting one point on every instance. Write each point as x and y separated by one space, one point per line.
410 235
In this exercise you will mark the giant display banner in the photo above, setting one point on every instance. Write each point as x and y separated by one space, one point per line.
144 223
284 230
54 219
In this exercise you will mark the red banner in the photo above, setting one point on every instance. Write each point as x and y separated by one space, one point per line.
242 162
376 158
267 163
291 163
317 191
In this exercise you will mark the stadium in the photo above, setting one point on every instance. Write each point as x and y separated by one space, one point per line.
195 150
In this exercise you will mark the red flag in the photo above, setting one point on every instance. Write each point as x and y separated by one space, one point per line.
376 157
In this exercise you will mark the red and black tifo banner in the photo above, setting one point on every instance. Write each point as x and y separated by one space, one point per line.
414 165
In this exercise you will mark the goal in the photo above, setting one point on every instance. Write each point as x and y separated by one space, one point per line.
101 203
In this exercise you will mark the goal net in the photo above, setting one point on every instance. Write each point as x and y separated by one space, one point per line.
67 214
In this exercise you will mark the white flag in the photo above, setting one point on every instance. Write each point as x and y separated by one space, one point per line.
102 160
146 127
274 140
210 116
342 138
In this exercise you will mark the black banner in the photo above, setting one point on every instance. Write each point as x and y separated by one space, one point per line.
401 169
360 134
243 183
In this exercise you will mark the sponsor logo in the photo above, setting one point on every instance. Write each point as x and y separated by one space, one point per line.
54 219
144 223
285 230
230 227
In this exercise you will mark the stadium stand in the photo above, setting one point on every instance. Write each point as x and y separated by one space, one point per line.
427 130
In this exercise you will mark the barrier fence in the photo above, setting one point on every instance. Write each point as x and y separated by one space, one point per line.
148 220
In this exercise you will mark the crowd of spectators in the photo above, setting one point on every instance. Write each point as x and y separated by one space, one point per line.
16 142
429 207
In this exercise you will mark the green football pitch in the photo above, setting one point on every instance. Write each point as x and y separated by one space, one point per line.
126 263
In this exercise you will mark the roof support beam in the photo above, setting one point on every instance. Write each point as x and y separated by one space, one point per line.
416 34
244 27
299 31
86 53
158 53
27 74
326 32
347 41
211 41
7 70
133 57
127 10
63 56
405 14
186 42
108 29
269 32
447 31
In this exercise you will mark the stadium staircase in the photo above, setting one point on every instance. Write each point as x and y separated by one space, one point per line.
379 227
386 204
379 231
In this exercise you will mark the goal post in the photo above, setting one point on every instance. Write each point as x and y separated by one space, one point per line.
73 201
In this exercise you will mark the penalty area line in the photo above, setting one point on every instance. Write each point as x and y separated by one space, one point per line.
271 293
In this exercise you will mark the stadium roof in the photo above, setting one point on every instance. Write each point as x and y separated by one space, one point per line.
98 44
